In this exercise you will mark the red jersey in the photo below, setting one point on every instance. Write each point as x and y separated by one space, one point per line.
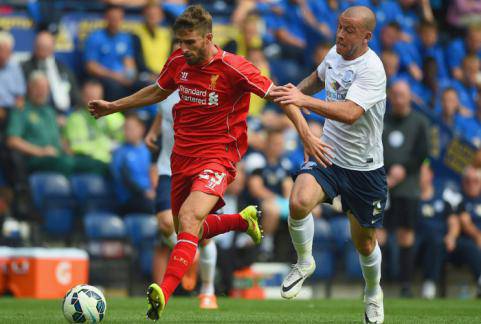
210 118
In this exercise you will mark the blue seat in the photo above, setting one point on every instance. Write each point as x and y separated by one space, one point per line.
52 195
340 232
351 261
141 229
92 193
324 264
50 190
322 234
146 257
101 226
58 221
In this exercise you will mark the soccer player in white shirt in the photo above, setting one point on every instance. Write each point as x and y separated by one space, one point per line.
355 84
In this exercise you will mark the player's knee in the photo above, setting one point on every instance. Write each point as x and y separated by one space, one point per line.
365 246
299 205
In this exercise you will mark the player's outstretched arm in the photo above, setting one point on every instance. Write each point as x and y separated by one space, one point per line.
311 84
343 111
313 145
144 97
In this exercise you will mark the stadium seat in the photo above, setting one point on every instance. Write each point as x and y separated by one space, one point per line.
146 257
340 232
92 193
58 221
141 229
351 261
324 264
99 226
51 194
50 190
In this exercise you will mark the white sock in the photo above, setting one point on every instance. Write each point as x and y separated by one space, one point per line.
208 260
267 243
371 270
302 234
170 240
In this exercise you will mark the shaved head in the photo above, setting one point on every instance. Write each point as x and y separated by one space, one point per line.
362 13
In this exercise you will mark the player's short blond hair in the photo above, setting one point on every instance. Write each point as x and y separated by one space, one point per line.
194 18
7 39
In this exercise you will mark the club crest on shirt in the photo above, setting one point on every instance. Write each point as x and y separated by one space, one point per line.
213 81
348 77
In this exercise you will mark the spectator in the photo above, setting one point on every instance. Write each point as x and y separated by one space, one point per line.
467 86
109 56
269 185
390 60
464 12
64 93
429 47
407 53
92 138
12 83
152 42
471 126
468 247
12 91
436 232
410 16
451 109
459 48
34 133
130 168
405 142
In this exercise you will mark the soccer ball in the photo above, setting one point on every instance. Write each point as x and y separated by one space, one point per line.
84 304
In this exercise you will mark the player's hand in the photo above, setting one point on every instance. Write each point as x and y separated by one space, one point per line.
288 94
316 148
150 140
450 243
100 108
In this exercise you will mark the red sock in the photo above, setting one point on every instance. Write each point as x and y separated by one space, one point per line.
219 224
181 258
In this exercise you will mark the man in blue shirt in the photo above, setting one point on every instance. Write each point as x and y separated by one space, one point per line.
130 168
459 48
436 232
109 56
12 82
468 247
471 126
467 86
269 184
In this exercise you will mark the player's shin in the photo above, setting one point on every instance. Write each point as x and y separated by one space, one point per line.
219 224
302 234
180 260
371 271
208 260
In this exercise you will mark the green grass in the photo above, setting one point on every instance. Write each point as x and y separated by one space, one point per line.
185 310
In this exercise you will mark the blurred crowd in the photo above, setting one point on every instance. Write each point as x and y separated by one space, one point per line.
431 51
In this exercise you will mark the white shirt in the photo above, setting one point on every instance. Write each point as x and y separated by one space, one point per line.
167 129
363 81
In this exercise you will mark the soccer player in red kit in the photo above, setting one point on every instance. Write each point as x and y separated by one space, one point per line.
210 138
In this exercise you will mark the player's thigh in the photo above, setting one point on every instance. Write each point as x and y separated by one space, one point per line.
305 195
364 238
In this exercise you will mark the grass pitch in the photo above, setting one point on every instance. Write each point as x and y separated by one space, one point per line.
185 310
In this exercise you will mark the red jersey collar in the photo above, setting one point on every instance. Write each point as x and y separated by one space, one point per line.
218 56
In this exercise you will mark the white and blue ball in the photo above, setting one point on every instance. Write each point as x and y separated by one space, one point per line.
84 304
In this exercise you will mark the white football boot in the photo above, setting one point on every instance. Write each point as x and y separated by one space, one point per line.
292 284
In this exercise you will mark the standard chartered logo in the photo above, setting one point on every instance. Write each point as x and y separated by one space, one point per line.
213 99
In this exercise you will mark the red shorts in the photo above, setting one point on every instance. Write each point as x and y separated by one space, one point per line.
209 175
